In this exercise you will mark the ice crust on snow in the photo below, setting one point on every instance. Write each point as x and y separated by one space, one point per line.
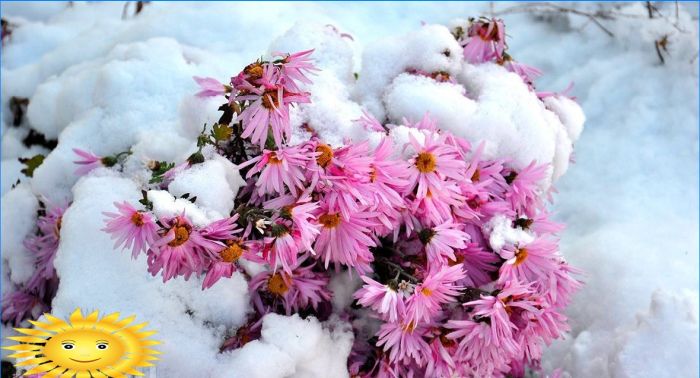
104 84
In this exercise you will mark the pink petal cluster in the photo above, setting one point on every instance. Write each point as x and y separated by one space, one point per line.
484 40
34 296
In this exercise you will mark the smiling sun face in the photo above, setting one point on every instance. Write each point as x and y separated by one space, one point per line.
87 346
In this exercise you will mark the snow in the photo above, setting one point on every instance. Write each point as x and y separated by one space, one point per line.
218 194
189 321
104 84
307 348
501 233
18 221
431 48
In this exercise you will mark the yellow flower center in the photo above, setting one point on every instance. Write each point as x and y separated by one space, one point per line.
476 176
409 327
520 256
427 292
182 234
232 252
425 162
276 285
254 70
274 159
329 220
326 155
57 229
373 174
137 219
270 99
458 260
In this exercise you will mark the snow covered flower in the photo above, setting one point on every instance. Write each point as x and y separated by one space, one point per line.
210 87
131 228
438 288
485 41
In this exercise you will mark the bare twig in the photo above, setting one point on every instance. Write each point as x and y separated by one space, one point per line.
658 52
554 8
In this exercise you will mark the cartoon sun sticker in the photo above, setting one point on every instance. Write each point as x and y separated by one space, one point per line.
84 347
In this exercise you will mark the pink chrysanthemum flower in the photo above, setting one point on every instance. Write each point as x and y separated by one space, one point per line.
282 247
529 262
346 177
434 162
18 306
442 349
388 300
369 123
306 227
441 241
296 291
210 87
437 208
280 168
90 161
477 263
404 341
345 241
438 287
131 228
226 263
45 245
523 193
295 67
485 42
561 285
480 353
527 73
181 250
268 110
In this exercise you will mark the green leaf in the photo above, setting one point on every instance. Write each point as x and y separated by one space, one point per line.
221 132
31 164
158 170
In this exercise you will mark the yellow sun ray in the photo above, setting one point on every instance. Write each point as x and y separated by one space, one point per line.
85 346
33 332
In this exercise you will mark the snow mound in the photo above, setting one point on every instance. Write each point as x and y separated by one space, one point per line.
294 347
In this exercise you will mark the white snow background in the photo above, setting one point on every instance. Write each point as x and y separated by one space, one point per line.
101 83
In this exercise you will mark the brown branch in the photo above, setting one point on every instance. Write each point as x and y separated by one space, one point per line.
553 8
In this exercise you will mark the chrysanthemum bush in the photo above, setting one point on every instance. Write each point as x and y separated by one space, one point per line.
458 262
